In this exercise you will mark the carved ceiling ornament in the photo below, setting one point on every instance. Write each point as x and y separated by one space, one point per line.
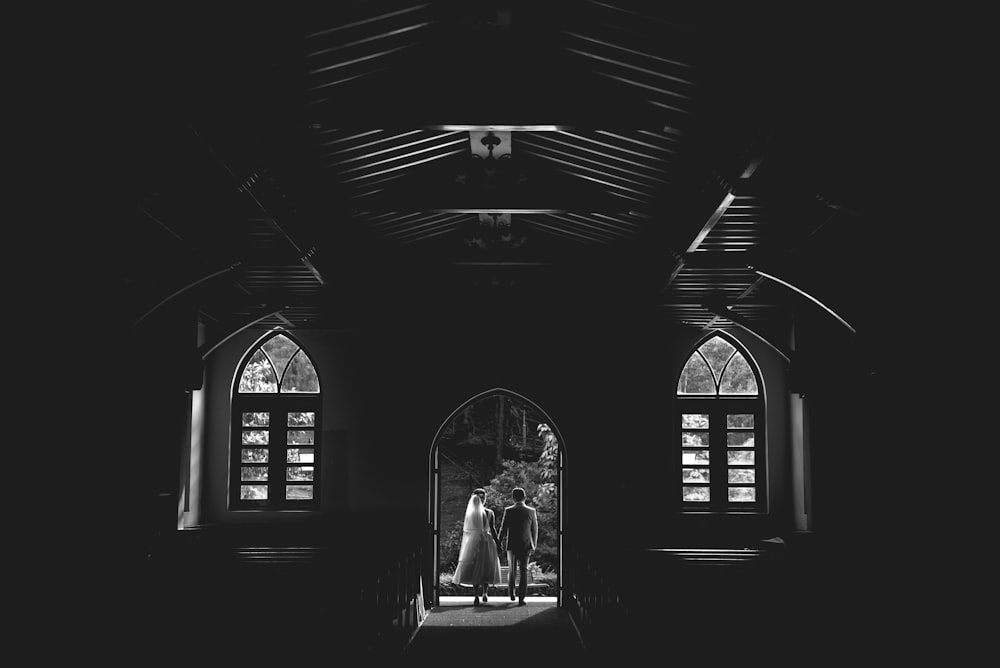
495 230
490 172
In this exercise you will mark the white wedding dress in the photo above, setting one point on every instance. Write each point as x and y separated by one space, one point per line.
478 561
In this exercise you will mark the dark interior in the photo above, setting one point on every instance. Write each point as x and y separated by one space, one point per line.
560 200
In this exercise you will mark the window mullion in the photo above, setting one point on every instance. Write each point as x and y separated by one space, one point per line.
276 458
717 455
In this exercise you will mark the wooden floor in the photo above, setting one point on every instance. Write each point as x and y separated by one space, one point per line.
499 630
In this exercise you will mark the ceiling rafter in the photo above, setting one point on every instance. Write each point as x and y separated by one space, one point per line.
251 187
232 330
187 285
636 191
725 311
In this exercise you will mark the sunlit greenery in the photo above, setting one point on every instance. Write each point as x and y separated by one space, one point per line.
279 365
717 368
549 578
540 482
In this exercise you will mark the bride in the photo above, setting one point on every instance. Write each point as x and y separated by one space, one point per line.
478 560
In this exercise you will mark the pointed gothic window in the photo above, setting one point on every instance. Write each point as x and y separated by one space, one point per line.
717 368
276 426
720 430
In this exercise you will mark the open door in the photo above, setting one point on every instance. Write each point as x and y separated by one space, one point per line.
497 440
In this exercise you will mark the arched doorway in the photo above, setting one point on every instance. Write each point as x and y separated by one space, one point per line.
497 439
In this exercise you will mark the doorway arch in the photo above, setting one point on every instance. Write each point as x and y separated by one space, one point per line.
434 487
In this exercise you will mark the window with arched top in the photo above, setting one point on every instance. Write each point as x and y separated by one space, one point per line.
276 427
720 429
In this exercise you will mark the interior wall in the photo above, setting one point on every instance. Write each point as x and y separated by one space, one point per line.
774 373
607 384
336 356
847 407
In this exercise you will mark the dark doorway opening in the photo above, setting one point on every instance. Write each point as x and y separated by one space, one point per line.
497 440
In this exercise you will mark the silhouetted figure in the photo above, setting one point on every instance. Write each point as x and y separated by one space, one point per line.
520 526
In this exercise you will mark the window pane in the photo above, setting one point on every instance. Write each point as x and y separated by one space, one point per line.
253 473
254 437
740 457
694 457
258 376
694 439
256 419
254 455
695 493
298 492
694 421
742 494
696 378
695 475
300 455
298 473
738 377
304 437
252 492
280 349
717 351
739 439
742 475
742 420
300 375
307 419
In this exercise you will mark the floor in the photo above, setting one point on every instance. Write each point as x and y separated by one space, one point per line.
540 629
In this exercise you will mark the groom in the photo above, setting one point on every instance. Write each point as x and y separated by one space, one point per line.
520 527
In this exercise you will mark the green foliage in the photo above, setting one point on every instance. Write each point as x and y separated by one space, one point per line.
538 479
478 424
447 586
451 543
550 578
258 376
530 460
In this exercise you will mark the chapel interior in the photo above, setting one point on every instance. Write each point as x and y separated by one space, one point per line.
588 209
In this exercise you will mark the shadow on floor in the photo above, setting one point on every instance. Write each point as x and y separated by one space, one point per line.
543 630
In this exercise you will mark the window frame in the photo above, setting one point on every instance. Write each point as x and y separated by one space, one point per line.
278 405
717 407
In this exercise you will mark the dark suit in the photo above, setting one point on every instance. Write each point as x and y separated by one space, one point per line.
520 527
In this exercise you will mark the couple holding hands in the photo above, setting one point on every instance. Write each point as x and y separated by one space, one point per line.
478 556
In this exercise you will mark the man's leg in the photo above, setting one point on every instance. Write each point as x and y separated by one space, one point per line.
511 572
522 581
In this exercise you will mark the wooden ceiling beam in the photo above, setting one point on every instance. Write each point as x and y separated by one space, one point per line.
252 187
713 219
810 297
723 204
733 261
724 311
748 291
187 285
266 312
689 302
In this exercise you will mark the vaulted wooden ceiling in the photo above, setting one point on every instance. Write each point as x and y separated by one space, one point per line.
313 168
